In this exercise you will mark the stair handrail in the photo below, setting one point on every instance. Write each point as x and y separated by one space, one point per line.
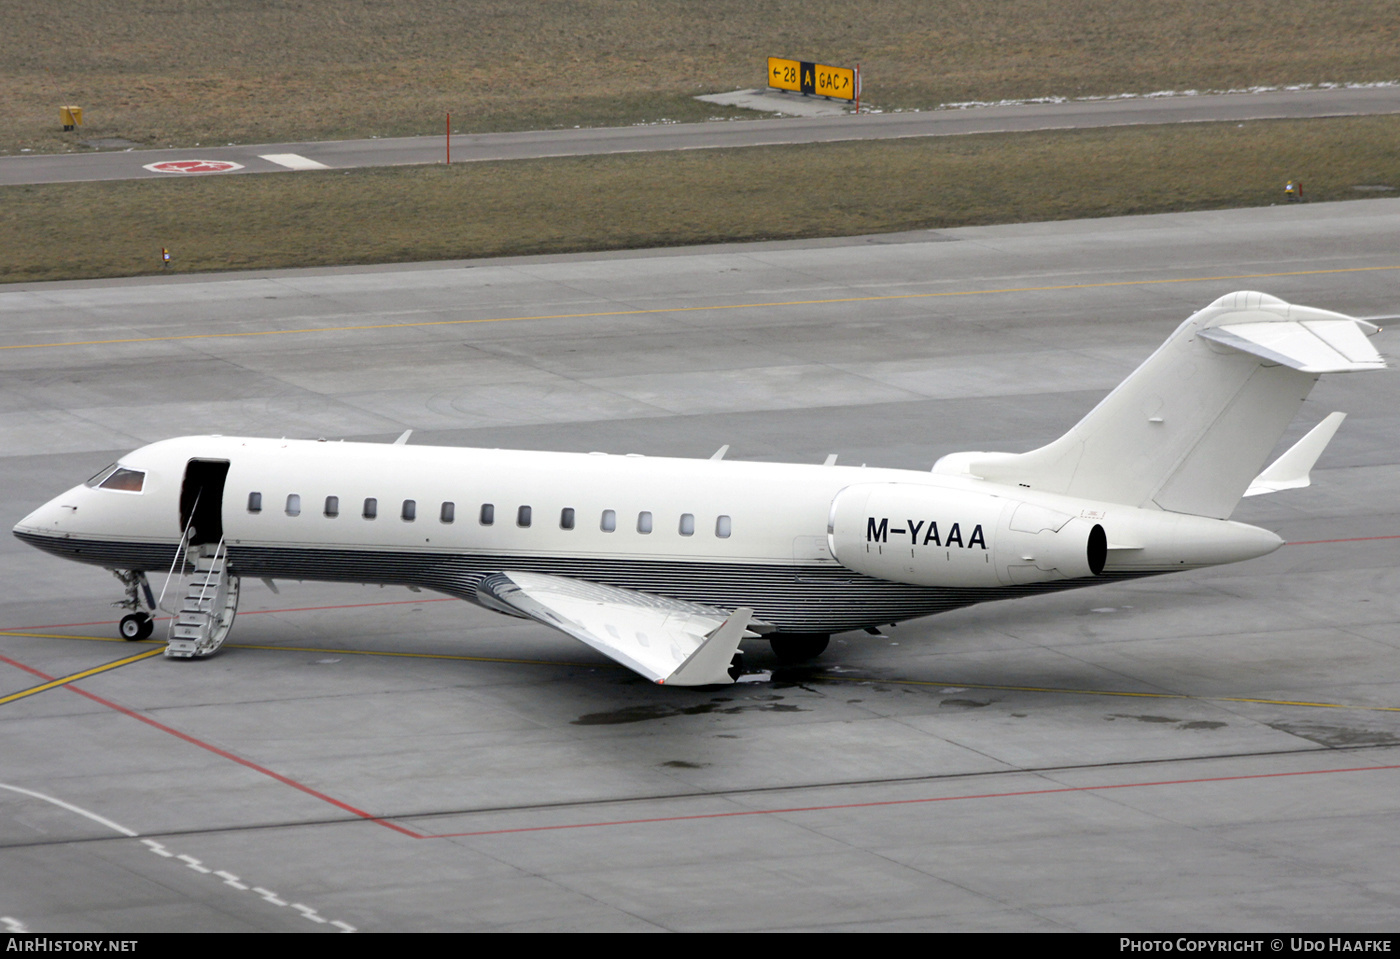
180 556
209 578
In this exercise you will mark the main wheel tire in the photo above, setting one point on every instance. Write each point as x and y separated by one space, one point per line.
797 649
136 626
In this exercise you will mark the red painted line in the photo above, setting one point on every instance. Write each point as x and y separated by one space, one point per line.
1354 539
369 817
251 612
904 802
223 753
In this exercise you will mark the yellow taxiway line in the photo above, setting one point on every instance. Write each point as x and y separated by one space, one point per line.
871 680
685 309
65 680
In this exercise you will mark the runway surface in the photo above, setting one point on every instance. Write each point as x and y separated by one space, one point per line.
348 154
1208 751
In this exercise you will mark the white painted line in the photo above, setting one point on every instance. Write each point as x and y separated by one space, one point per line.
117 827
230 879
13 925
269 895
293 161
307 912
158 849
194 864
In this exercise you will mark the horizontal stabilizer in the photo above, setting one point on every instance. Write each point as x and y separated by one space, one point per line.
1292 469
1310 346
666 640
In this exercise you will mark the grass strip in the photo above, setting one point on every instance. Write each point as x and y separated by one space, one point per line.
397 214
186 72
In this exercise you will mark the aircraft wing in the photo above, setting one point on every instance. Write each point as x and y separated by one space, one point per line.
666 640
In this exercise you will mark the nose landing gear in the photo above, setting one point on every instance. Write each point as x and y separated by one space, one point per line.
138 623
136 626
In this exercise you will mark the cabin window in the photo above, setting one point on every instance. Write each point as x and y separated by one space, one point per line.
522 517
332 506
125 480
609 520
371 508
410 510
722 527
687 524
293 504
255 502
488 514
449 512
566 518
644 521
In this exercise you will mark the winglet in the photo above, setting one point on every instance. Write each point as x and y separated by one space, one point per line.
713 663
1290 471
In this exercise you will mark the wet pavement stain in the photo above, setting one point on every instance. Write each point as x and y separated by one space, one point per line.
640 714
965 703
682 764
1161 720
1338 735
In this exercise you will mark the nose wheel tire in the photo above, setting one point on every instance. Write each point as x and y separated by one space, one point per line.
136 626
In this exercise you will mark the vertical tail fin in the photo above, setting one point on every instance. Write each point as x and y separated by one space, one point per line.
1189 428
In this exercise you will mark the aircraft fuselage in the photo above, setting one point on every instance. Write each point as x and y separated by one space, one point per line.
811 549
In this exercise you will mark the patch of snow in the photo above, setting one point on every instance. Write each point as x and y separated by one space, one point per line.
1158 94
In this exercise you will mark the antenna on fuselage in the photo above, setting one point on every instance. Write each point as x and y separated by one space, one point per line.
719 453
403 438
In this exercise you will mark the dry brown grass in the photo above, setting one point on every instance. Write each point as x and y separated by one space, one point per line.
182 72
647 200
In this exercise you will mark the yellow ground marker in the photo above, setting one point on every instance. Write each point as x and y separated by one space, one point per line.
550 662
55 683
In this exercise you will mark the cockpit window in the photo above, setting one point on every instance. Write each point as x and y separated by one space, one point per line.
128 481
101 475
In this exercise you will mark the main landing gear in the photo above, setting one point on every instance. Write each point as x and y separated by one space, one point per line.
138 623
798 647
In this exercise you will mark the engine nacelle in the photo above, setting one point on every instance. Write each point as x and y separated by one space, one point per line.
930 536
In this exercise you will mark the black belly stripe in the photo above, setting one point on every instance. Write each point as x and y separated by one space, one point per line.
816 599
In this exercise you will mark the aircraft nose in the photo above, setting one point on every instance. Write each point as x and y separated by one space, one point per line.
49 518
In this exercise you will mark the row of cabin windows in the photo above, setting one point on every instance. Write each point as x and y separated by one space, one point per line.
524 515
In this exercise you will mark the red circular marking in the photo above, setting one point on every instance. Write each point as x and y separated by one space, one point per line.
194 166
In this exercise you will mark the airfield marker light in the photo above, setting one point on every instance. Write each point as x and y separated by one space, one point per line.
164 257
449 138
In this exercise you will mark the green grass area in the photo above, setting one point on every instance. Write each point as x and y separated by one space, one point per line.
181 72
116 228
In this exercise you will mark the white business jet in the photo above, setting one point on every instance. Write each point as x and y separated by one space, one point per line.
666 565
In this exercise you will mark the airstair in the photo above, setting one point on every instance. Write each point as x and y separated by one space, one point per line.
211 600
